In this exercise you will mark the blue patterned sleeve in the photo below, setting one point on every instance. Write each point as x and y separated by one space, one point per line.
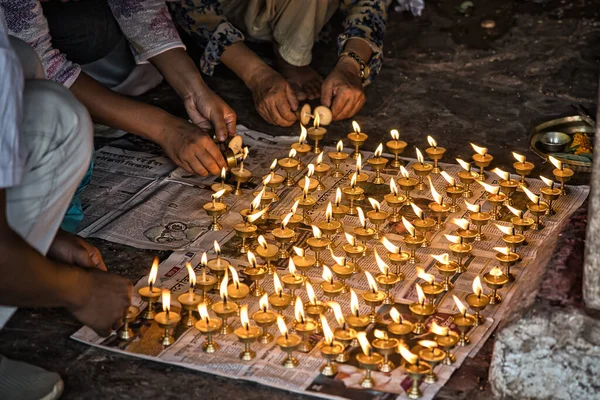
204 21
366 20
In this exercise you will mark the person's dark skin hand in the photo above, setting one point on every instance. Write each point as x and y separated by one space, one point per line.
103 301
208 111
191 148
274 98
71 249
342 90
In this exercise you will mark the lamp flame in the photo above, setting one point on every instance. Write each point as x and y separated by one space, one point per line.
327 275
251 259
306 184
461 307
340 146
395 134
359 164
425 276
364 343
503 250
361 216
327 332
274 165
277 284
430 344
439 330
302 134
299 251
338 260
286 219
350 239
353 302
507 230
153 272
356 127
393 187
253 217
431 141
548 182
295 207
391 247
518 213
489 188
375 204
217 247
557 163
292 153
407 354
310 172
419 155
262 242
312 297
281 325
256 202
379 150
329 212
383 267
453 239
501 174
264 302
535 199
234 276
223 287
442 258
448 178
292 266
371 281
223 173
338 197
337 312
353 180
317 120
244 316
379 334
316 231
246 151
418 211
204 259
465 165
166 300
518 157
299 310
482 151
404 172
395 315
203 311
473 207
496 271
436 196
477 288
461 223
267 180
320 158
192 274
409 227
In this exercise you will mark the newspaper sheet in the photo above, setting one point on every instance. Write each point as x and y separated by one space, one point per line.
166 215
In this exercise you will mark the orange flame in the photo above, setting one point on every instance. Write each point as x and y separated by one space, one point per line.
442 258
516 212
364 343
191 274
477 288
299 310
153 272
425 276
203 311
507 230
340 146
277 284
395 134
395 316
461 223
392 248
356 127
409 227
502 250
489 188
353 302
461 307
420 294
535 199
431 141
263 302
518 157
327 332
419 155
338 196
383 267
281 325
292 266
337 312
312 297
379 150
482 151
436 196
439 330
244 316
407 354
371 281
379 334
448 178
166 300
375 204
465 165
404 172
417 210
501 174
557 163
316 231
393 187
452 238
496 271
262 242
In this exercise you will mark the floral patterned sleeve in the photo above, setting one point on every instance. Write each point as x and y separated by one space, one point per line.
366 20
204 21
147 25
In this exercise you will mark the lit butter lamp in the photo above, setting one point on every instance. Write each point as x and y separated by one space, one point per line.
446 268
205 282
288 343
478 218
400 328
218 265
522 168
415 369
256 273
302 262
361 177
293 280
343 270
453 191
241 175
495 279
421 311
284 236
466 177
354 251
318 244
343 333
407 183
189 301
373 297
464 230
279 300
396 147
339 210
302 148
460 250
396 256
386 279
367 360
482 159
126 333
289 165
337 158
507 259
496 199
511 237
422 170
507 185
313 183
446 339
355 320
561 174
435 153
167 319
303 326
237 291
247 229
209 327
316 133
463 321
331 288
314 308
225 309
423 224
264 319
150 294
395 200
266 198
362 232
357 139
247 335
377 216
329 226
268 252
477 301
378 163
430 353
431 288
537 208
412 240
330 349
216 187
306 202
275 181
352 193
321 171
384 346
550 194
438 207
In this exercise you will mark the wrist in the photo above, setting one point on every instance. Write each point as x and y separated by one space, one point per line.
75 286
347 64
258 75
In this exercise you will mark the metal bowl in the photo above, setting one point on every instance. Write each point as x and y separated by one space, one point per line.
554 142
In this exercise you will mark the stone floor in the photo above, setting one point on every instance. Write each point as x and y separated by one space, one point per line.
443 75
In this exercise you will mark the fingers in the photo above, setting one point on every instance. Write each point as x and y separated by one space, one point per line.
327 93
283 107
292 99
231 122
220 127
339 102
313 90
218 161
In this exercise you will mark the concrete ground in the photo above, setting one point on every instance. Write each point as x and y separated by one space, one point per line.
444 75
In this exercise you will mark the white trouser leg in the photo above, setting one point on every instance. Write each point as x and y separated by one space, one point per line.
57 142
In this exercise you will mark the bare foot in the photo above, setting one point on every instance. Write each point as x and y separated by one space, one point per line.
305 81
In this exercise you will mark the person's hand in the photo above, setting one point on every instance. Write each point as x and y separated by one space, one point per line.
71 249
102 301
208 111
191 148
274 98
344 87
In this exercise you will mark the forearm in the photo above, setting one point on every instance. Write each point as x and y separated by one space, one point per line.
243 62
109 108
359 47
179 71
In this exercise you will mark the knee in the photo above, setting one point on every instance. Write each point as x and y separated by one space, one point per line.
56 111
30 62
